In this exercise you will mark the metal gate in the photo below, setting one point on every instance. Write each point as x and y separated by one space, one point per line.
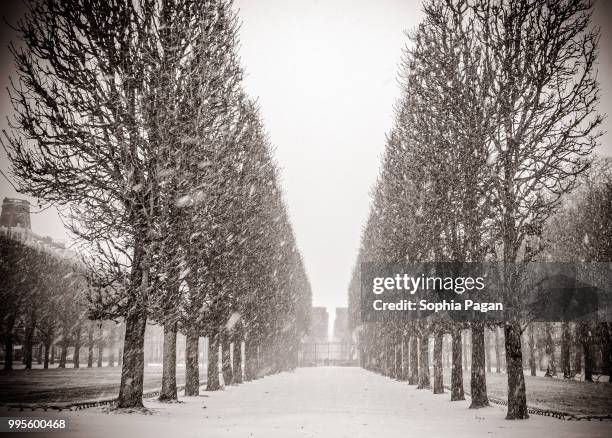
326 353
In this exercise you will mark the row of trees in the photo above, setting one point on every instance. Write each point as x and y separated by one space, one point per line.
496 122
564 350
581 231
132 115
42 299
568 349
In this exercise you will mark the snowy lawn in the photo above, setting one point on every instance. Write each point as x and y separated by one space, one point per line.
572 396
63 385
319 402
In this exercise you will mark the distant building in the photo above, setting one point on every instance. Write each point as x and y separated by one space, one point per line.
15 213
318 349
341 330
15 223
319 324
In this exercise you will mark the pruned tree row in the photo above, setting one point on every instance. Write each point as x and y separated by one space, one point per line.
133 117
496 124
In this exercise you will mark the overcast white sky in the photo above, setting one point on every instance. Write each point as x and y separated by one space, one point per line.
325 76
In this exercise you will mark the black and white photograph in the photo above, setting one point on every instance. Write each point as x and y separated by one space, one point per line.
306 218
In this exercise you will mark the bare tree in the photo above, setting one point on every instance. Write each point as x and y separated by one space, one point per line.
545 90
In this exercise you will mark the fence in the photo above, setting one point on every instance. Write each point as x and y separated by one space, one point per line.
327 353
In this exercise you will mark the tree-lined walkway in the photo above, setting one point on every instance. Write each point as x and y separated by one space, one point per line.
322 402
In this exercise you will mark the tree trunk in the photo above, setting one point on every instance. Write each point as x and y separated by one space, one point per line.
424 381
169 391
525 348
292 356
237 360
132 371
362 357
577 348
541 354
52 359
47 354
100 355
8 352
76 357
384 362
262 359
226 362
111 345
397 360
263 356
90 345
405 368
565 350
212 382
478 381
588 361
100 344
63 353
517 398
390 358
265 360
414 361
39 353
532 348
29 344
438 387
272 357
488 350
498 356
192 369
466 352
250 361
549 349
606 349
448 353
457 392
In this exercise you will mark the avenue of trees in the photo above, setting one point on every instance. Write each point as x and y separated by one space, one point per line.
495 127
42 302
44 308
132 117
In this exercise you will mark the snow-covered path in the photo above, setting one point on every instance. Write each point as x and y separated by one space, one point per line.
322 402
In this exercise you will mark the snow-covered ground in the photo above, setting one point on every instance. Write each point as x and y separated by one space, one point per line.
69 385
557 393
319 402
